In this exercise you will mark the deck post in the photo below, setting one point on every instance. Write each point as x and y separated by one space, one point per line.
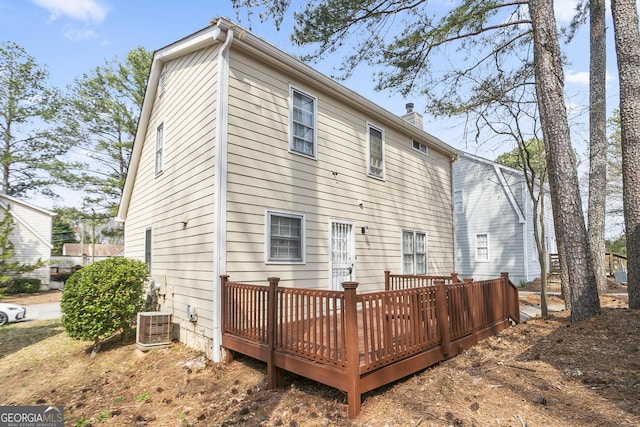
503 295
352 350
273 373
508 301
442 314
473 303
386 279
454 277
224 309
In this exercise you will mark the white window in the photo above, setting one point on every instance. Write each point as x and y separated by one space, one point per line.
159 147
303 124
414 252
285 238
458 205
420 147
375 146
482 247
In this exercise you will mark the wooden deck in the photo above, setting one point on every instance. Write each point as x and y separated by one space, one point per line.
416 322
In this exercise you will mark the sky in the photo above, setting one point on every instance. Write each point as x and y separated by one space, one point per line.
72 37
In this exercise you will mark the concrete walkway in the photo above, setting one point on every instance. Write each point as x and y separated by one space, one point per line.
528 311
46 311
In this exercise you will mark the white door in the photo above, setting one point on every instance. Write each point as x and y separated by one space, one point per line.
342 254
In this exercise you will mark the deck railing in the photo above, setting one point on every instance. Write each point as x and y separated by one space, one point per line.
319 334
409 281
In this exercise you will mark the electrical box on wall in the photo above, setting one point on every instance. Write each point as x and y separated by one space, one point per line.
160 284
192 314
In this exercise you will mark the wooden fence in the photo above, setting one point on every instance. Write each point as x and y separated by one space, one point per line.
359 342
613 262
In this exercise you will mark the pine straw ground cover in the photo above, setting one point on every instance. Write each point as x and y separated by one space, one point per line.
539 373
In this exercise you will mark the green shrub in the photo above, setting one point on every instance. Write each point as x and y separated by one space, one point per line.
103 298
63 277
23 285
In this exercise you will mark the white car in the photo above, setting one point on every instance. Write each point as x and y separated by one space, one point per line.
11 312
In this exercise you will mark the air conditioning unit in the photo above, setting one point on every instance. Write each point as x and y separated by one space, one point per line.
153 330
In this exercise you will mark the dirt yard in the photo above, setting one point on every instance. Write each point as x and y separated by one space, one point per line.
539 373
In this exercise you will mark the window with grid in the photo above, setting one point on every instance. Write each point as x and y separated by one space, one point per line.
285 237
420 147
414 252
376 152
303 123
482 247
159 147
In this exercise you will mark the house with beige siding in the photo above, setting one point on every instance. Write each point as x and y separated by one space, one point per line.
31 235
248 162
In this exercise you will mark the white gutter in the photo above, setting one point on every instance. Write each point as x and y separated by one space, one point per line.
220 190
27 204
454 223
25 224
525 235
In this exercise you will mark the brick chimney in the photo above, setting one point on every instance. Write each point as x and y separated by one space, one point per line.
413 117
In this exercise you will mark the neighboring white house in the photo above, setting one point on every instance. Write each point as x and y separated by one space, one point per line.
248 162
31 235
493 215
78 255
88 253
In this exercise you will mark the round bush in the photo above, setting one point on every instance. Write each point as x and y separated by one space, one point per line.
103 298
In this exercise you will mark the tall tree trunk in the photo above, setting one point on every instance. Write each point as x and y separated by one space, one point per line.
563 177
627 37
565 290
598 142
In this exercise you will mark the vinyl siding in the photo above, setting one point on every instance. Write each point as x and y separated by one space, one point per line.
182 255
30 235
487 210
263 174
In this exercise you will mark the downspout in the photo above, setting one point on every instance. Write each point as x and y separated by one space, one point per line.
452 177
220 190
525 235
